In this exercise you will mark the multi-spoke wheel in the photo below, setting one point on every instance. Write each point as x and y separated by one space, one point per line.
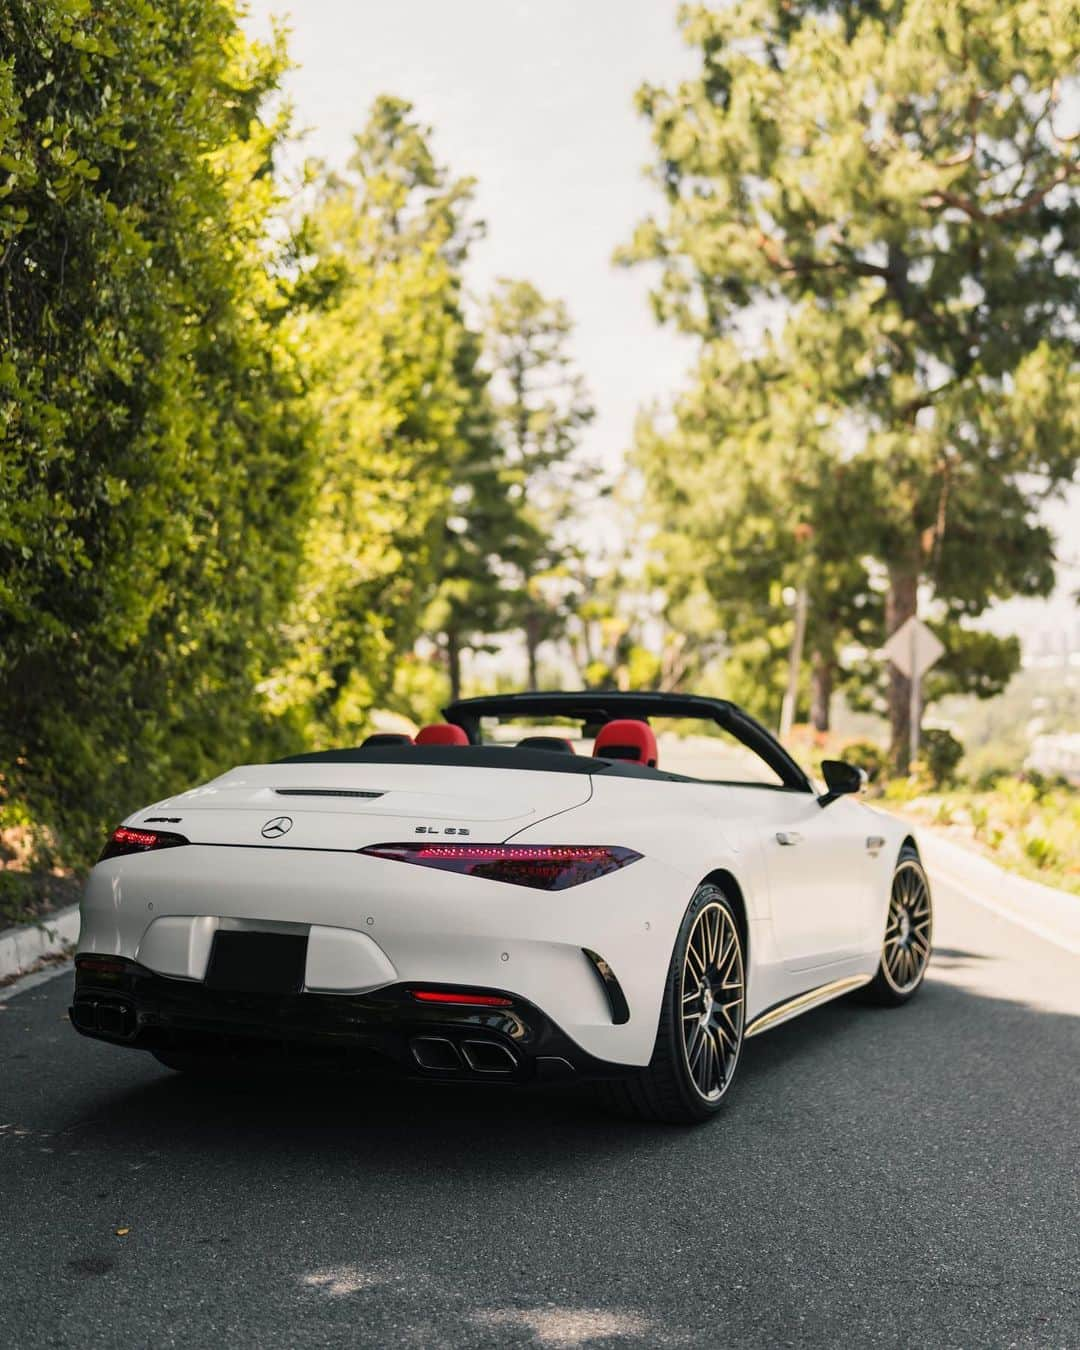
905 951
700 1035
712 997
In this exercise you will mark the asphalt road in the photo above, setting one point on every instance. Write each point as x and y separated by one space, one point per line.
879 1178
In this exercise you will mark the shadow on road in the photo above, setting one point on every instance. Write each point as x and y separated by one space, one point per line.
931 1144
926 1044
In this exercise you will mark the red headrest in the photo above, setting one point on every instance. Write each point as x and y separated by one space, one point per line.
441 733
626 738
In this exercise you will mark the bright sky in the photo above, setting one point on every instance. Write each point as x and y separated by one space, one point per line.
534 98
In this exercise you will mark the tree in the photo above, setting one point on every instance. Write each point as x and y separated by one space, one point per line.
488 539
895 181
749 500
542 406
156 444
404 422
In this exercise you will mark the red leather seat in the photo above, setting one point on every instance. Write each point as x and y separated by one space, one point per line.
441 733
627 738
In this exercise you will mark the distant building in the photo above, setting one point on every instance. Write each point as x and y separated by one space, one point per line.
1056 755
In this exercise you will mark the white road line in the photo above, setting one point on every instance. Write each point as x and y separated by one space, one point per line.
32 981
1005 913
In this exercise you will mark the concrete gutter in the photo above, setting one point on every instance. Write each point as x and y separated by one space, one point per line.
23 946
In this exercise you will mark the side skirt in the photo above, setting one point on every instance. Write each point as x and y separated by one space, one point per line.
804 1002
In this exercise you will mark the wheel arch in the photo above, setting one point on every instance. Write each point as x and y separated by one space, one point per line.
727 882
909 841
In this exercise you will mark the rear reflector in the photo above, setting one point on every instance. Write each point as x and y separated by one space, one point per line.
101 965
125 840
545 867
462 997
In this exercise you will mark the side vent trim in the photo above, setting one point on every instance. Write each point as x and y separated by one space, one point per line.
620 1009
326 792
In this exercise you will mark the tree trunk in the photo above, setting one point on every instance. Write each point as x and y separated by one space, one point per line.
453 663
900 605
822 671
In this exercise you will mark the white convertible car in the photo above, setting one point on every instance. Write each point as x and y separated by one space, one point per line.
522 894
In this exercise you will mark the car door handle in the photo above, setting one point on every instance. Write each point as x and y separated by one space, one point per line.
788 837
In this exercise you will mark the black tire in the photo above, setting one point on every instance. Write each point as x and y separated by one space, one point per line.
669 1089
907 943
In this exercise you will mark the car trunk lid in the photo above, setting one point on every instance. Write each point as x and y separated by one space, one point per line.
349 806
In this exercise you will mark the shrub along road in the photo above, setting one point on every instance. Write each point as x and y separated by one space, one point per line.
878 1178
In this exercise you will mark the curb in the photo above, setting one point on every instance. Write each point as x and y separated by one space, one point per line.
1050 913
22 946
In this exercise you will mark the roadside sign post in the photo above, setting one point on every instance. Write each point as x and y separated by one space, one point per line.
913 649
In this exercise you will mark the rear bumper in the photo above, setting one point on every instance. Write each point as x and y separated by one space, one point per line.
386 1030
373 924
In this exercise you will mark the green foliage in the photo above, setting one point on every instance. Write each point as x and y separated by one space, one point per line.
402 418
889 186
1030 827
1040 851
865 755
941 753
541 406
155 442
248 456
747 502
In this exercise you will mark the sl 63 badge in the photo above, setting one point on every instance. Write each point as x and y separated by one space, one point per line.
438 829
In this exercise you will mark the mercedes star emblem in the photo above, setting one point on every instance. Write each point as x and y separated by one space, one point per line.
274 829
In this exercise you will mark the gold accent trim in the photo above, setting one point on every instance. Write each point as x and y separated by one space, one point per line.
804 1002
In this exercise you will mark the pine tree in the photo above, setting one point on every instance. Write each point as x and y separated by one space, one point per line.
895 186
542 406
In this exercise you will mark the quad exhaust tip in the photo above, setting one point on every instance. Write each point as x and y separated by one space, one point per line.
488 1057
435 1052
439 1055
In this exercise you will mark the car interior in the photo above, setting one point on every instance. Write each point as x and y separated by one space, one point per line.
625 738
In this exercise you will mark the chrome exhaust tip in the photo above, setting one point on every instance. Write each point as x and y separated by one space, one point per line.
488 1057
435 1053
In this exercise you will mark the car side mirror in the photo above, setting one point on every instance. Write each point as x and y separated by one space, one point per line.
840 779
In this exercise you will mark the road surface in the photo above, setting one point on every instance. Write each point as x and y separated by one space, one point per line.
879 1178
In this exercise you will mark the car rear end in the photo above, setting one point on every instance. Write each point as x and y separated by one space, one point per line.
454 922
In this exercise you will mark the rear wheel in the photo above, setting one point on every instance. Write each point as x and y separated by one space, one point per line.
699 1039
905 950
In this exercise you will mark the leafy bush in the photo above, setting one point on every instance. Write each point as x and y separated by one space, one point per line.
941 752
866 755
1041 851
1032 828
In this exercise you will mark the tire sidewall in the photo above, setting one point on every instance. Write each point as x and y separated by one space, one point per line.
671 1015
881 989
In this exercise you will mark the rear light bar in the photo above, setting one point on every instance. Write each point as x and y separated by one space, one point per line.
125 840
544 867
461 997
102 965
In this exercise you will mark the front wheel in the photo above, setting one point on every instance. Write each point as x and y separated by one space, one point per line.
905 948
699 1039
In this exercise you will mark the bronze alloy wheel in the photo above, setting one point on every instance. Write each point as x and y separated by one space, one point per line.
702 1018
908 930
712 992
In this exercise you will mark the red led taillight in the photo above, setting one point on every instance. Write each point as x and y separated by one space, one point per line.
101 965
461 997
124 840
544 867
